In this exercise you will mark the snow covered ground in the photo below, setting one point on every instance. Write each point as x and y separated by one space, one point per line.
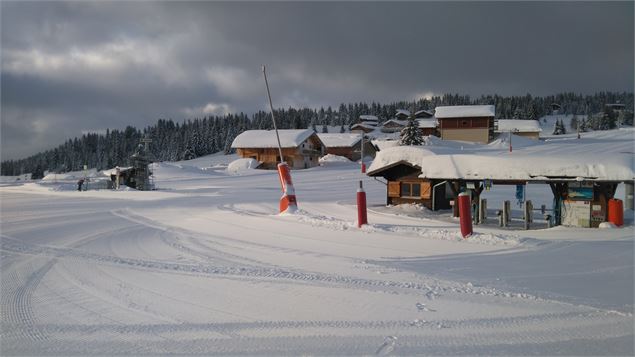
205 265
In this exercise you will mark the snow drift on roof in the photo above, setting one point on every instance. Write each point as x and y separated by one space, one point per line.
402 112
465 111
267 138
368 118
423 114
396 121
391 155
518 125
604 156
528 167
364 125
339 140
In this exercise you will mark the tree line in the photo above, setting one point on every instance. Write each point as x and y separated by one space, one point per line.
172 141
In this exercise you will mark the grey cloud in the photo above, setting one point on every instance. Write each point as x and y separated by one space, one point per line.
90 65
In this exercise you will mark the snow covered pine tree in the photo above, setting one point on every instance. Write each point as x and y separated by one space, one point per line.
410 134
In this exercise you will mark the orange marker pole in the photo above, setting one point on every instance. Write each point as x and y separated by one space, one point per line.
288 202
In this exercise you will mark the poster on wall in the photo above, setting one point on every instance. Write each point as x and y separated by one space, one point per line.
580 193
576 213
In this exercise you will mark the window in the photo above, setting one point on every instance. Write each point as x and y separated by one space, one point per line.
410 189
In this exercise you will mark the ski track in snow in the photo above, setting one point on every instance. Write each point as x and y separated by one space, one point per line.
108 279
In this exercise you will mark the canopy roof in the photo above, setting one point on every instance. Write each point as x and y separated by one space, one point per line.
597 157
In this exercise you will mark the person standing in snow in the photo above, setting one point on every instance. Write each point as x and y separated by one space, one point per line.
80 183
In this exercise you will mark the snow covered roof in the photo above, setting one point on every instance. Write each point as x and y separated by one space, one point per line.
594 157
527 167
465 111
113 171
289 138
402 112
389 156
339 140
368 118
423 114
396 121
518 125
427 123
364 125
385 144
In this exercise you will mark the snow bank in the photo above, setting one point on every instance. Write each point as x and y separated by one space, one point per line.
502 142
12 179
73 175
241 165
518 125
329 160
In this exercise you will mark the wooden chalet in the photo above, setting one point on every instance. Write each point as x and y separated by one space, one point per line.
301 149
473 123
347 145
528 128
403 181
393 125
402 114
405 186
428 126
366 124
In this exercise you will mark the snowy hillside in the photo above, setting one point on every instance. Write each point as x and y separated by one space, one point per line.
205 265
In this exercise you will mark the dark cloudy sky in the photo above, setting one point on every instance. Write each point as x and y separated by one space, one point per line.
73 67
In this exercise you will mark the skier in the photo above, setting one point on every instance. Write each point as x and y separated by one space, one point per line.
79 184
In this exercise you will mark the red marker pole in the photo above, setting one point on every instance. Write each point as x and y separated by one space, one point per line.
362 217
288 202
465 214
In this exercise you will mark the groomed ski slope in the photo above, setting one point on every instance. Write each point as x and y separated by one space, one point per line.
205 265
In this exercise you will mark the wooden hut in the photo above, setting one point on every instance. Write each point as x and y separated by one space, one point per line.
301 149
472 123
347 145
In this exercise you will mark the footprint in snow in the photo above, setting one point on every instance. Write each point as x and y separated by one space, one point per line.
418 323
423 307
388 346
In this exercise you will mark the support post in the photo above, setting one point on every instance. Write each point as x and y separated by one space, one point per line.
482 212
629 188
506 213
528 212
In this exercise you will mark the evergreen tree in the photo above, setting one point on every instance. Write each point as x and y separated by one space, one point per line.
410 134
574 123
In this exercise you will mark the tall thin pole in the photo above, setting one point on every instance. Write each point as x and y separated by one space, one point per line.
510 140
273 118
